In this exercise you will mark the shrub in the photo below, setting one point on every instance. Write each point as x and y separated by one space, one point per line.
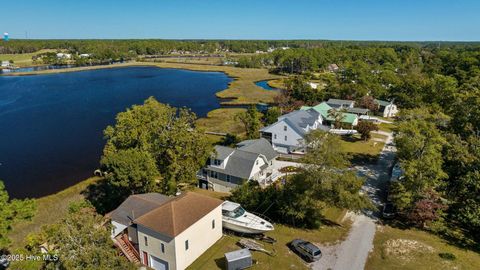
447 256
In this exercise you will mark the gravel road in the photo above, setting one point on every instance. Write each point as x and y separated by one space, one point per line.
352 253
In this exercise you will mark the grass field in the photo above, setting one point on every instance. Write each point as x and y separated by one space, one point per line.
396 249
387 127
243 89
222 120
22 59
50 209
282 257
355 145
277 83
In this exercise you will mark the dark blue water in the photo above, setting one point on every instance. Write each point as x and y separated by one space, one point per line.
51 125
264 85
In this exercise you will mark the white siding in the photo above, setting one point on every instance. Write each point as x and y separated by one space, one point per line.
278 129
390 110
117 228
200 237
256 167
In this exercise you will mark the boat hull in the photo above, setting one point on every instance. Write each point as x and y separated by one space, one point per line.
243 229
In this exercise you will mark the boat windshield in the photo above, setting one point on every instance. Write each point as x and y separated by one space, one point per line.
238 212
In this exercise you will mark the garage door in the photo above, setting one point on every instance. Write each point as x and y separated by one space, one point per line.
158 264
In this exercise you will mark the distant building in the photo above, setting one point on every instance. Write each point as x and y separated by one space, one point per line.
64 56
333 68
313 85
340 103
5 63
84 55
230 63
386 108
6 37
324 108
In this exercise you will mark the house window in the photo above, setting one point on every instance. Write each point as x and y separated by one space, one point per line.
213 224
162 247
228 178
284 128
217 162
146 241
186 244
256 162
285 138
213 174
275 136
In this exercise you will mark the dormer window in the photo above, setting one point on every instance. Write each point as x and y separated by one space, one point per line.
217 162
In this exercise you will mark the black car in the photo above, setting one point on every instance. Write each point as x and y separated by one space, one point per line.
4 263
306 250
388 210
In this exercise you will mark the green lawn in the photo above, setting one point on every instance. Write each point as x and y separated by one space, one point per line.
387 127
354 145
414 249
50 209
223 121
22 59
282 258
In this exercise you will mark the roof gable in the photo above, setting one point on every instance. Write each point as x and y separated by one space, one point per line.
137 205
177 215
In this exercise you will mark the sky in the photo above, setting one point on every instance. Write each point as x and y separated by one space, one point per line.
409 20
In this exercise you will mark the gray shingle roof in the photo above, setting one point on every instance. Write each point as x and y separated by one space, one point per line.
300 119
358 110
339 102
260 146
137 205
239 164
382 102
223 152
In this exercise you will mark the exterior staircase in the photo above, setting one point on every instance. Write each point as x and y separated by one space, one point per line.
127 249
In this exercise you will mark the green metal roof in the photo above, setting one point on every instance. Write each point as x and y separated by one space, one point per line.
323 108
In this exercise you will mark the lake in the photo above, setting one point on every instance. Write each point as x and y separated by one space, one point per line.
51 126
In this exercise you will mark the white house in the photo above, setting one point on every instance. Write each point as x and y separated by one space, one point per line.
341 103
287 134
64 56
387 108
5 63
171 232
229 167
313 85
333 68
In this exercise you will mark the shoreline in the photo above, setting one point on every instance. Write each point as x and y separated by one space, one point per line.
241 91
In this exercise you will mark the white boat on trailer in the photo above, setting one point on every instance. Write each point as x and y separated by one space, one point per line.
235 218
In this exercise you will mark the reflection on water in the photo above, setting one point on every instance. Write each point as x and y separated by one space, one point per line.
51 125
